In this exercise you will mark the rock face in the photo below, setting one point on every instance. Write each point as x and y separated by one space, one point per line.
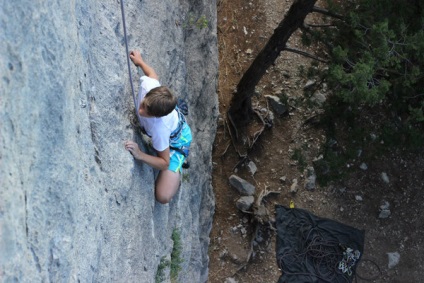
74 206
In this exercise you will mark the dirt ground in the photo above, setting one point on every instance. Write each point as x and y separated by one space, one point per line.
395 177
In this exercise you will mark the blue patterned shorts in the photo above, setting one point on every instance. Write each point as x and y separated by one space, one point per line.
176 158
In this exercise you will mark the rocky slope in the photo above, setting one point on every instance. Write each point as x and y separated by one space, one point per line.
74 206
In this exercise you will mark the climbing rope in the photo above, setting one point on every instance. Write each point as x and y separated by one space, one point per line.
331 261
126 49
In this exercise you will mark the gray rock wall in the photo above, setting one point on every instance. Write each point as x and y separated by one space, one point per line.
74 206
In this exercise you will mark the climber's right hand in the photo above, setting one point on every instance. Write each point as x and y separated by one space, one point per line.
136 58
133 148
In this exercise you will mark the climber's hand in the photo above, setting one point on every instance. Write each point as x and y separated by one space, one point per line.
133 148
135 56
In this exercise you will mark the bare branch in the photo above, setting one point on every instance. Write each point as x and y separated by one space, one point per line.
415 96
306 54
318 26
326 12
350 63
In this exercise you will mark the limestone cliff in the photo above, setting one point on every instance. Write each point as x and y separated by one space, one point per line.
74 205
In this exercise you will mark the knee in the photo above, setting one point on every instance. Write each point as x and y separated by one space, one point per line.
163 199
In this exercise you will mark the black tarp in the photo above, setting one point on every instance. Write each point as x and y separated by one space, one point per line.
314 249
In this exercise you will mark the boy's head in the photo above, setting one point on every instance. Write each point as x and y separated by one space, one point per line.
158 102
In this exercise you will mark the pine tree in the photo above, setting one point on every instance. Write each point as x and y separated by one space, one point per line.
378 55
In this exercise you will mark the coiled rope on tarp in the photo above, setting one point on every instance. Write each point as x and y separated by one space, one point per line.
127 52
330 260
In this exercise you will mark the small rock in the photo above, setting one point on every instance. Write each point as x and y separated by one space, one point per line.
283 179
249 51
363 166
393 259
358 198
384 214
223 254
230 280
309 84
385 205
243 187
245 203
270 118
384 210
311 178
252 167
319 98
385 178
293 187
234 258
276 104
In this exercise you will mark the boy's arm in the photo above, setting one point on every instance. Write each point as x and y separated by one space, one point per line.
160 162
138 61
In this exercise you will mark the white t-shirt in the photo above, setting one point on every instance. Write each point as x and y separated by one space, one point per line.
158 128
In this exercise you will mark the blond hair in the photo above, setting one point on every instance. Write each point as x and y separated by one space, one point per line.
159 101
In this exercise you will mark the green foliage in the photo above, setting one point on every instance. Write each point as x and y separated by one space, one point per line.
376 69
175 263
377 55
417 113
199 23
330 168
185 177
202 22
402 137
176 259
160 273
368 129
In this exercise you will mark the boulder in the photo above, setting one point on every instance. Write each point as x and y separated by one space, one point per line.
243 187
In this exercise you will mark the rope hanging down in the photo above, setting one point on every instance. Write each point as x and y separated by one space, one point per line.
126 49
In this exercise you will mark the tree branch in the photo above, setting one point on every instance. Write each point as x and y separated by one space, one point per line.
318 26
415 96
306 29
306 54
326 12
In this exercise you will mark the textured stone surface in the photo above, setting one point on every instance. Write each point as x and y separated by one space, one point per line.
74 206
242 186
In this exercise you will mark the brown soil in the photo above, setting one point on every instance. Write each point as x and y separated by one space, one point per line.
243 29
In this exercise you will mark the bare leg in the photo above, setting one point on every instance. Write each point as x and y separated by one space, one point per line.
167 184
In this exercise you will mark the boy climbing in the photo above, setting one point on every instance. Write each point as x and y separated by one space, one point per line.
165 124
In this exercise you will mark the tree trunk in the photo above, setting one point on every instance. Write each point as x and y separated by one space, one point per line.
241 107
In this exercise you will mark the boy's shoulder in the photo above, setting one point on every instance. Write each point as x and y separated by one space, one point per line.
148 79
148 83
